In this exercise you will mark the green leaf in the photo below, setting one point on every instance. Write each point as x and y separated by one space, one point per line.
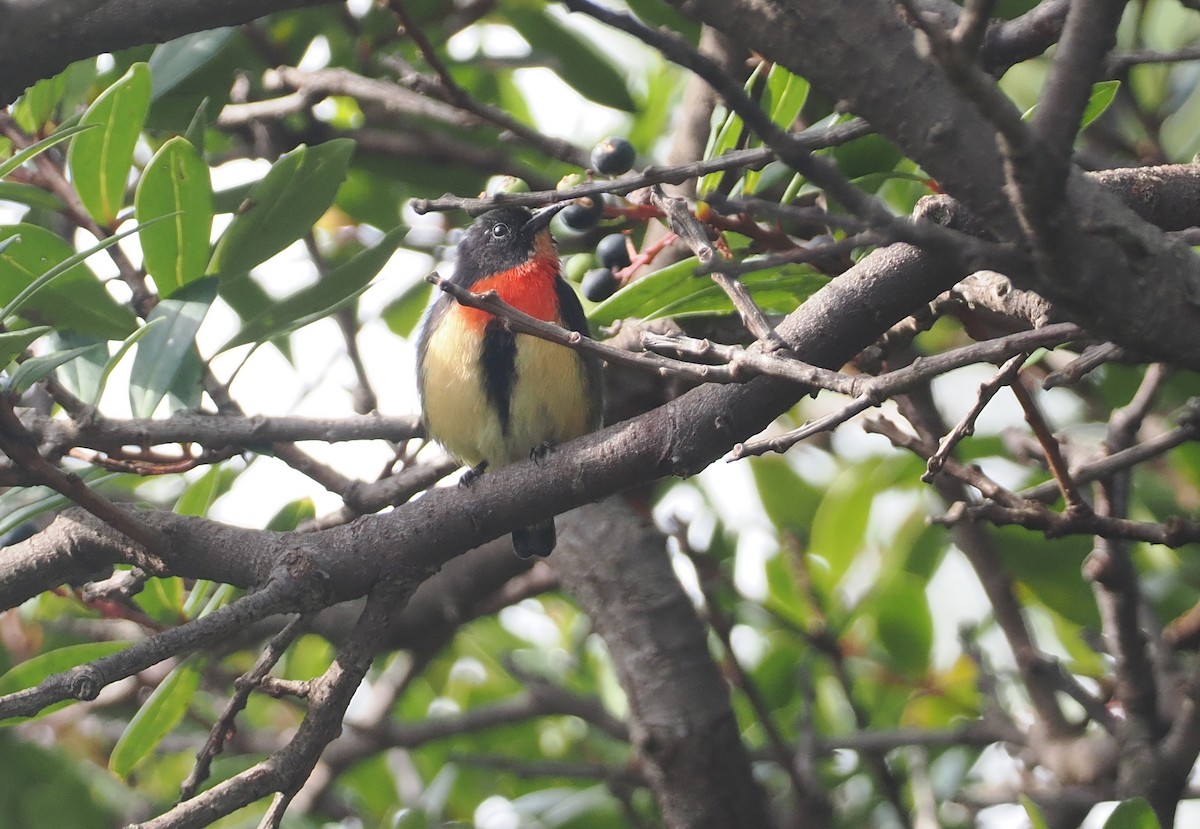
33 150
676 291
839 527
1049 568
404 312
14 343
1132 814
161 712
177 60
37 105
1036 820
725 134
44 274
786 94
100 159
28 194
291 515
36 368
203 492
116 358
20 505
789 500
1099 100
162 599
80 376
164 351
322 298
904 624
176 188
282 207
574 59
32 671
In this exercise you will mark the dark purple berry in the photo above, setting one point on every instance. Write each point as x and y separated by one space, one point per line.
613 156
584 213
613 252
598 284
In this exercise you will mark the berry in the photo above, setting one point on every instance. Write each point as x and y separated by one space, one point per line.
584 213
506 184
599 284
613 252
613 156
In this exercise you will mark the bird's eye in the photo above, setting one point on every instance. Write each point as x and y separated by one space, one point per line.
499 230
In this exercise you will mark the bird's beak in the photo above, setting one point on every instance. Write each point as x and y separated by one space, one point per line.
541 218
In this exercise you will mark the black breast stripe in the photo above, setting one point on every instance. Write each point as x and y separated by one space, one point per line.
499 359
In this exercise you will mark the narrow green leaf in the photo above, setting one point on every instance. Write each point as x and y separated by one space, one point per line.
321 299
33 150
100 159
13 343
788 499
45 273
30 195
1134 813
80 376
904 624
162 599
1101 98
175 187
404 312
161 712
35 368
165 350
786 94
37 105
282 207
725 134
20 505
675 291
575 60
177 60
839 527
1036 820
291 515
31 672
116 358
203 492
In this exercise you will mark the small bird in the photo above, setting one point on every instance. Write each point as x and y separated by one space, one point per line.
491 396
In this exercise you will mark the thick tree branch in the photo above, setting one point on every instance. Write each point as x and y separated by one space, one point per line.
39 39
1117 276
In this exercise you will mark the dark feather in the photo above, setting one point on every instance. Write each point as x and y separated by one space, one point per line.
498 356
538 540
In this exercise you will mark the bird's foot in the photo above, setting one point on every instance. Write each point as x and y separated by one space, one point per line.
542 450
472 474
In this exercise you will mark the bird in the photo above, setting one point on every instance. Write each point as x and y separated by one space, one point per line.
491 396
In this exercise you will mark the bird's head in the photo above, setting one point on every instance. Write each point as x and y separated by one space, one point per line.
504 239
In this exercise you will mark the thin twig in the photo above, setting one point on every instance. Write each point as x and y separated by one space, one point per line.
1050 447
21 448
244 686
752 159
966 426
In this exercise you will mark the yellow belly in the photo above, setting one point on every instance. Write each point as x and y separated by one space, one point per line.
548 401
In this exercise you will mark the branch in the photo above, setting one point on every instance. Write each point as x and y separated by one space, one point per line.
39 39
860 52
755 159
213 430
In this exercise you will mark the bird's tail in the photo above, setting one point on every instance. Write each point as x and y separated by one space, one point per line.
537 540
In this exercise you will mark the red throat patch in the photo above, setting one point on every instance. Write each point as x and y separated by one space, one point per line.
529 287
